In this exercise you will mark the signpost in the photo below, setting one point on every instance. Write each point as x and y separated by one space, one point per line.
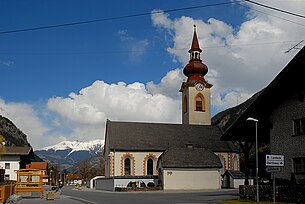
274 164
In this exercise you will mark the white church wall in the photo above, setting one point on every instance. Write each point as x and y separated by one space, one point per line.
190 179
138 162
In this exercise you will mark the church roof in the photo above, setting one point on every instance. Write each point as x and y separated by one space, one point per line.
235 174
135 136
189 158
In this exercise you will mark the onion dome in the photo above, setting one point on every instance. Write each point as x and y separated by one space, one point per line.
195 69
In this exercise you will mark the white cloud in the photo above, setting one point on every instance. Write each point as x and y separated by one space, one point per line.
135 47
27 120
87 111
7 63
161 19
240 60
229 99
95 103
169 85
81 116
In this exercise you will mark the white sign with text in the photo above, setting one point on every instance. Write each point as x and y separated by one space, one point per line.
275 160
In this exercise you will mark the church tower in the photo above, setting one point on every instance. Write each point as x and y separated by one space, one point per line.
196 90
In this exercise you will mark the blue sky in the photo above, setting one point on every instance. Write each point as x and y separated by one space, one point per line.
54 62
62 83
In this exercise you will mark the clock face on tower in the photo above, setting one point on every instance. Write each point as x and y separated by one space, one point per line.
199 86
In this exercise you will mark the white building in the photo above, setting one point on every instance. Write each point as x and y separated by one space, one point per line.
11 159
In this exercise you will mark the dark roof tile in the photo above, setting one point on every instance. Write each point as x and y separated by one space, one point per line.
189 158
134 136
13 150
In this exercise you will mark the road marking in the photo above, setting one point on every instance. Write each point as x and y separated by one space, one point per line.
83 200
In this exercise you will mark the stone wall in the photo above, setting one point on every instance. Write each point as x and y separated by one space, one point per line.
282 138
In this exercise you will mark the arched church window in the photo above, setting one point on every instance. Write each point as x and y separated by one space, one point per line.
199 103
150 167
235 163
185 105
127 166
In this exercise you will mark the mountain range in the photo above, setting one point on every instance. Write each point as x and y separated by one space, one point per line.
12 135
67 154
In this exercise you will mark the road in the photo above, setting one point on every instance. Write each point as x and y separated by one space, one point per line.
72 195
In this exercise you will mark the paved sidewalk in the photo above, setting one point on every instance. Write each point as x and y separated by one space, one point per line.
62 200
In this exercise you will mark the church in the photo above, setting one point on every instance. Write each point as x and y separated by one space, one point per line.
173 156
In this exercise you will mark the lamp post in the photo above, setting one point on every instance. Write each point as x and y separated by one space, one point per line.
256 155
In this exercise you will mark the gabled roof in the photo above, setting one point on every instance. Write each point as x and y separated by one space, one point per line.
235 174
134 136
38 165
290 79
12 150
189 158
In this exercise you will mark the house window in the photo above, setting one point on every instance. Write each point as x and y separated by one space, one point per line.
299 165
150 167
7 165
299 126
127 167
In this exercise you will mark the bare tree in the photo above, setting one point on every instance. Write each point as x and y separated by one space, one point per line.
86 170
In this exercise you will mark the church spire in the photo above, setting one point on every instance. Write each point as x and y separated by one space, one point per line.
195 69
195 43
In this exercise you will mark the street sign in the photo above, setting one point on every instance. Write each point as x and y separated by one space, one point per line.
274 157
274 163
273 169
274 160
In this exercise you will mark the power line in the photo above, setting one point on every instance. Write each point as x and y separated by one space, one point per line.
149 13
294 47
117 17
276 9
284 19
151 50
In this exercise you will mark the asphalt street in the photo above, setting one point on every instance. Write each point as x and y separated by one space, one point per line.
71 195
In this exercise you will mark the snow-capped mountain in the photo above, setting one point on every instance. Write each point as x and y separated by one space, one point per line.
68 153
93 146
